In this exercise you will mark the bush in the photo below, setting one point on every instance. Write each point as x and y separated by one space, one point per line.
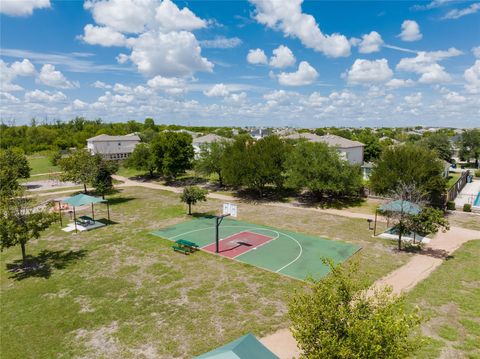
451 205
477 173
467 207
55 158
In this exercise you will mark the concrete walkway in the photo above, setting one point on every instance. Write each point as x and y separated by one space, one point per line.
400 280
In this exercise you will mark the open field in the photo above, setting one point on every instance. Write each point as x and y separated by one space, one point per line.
450 299
120 292
41 164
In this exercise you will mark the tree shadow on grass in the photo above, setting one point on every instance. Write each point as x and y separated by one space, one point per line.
203 215
119 200
269 194
42 265
187 181
335 202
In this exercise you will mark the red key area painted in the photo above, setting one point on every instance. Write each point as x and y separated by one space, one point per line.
238 243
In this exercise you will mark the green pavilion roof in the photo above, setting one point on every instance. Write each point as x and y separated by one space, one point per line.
82 199
245 347
401 206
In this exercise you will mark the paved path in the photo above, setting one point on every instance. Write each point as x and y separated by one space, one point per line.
400 280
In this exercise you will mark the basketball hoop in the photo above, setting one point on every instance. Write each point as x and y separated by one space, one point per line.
229 209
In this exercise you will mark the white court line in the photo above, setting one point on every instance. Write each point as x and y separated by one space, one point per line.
256 228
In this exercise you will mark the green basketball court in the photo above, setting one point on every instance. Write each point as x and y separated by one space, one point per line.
292 254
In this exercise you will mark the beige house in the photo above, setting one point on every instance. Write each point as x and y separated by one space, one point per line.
198 142
113 147
352 151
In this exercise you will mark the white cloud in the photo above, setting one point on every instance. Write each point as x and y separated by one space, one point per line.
458 13
305 75
221 42
454 97
257 57
317 100
103 36
101 85
414 99
168 54
288 17
476 51
171 18
160 82
472 76
79 104
410 31
22 7
398 83
217 90
370 43
10 73
366 71
5 96
236 98
426 65
282 57
51 77
129 16
45 96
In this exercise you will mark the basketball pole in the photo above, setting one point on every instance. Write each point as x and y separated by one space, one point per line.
218 220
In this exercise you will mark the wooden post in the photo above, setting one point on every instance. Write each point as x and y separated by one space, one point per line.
75 219
375 225
93 213
60 212
108 213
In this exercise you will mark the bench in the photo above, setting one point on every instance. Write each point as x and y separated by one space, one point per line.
181 249
184 243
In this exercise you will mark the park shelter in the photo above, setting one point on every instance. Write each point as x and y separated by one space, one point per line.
82 200
397 206
246 347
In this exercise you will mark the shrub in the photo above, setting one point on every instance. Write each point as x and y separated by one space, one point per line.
477 173
451 205
55 158
467 207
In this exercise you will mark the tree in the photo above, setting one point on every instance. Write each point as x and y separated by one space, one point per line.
440 143
21 220
13 166
373 147
338 319
193 194
173 152
319 168
255 164
470 145
102 178
409 165
142 159
428 221
210 158
78 167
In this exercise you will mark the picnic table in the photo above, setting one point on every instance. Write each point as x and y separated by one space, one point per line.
184 246
85 220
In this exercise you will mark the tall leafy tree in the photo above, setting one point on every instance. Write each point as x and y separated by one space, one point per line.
319 168
440 143
255 164
142 159
470 145
21 219
373 147
191 195
173 152
337 319
78 167
102 178
409 165
13 166
210 158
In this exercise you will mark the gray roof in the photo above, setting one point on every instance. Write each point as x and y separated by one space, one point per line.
211 137
106 138
331 140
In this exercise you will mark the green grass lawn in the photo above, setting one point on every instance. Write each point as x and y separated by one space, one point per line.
450 300
452 178
41 164
120 292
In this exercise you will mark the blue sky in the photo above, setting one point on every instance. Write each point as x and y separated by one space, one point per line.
265 63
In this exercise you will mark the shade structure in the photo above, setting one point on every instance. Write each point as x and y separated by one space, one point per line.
246 347
82 199
401 206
